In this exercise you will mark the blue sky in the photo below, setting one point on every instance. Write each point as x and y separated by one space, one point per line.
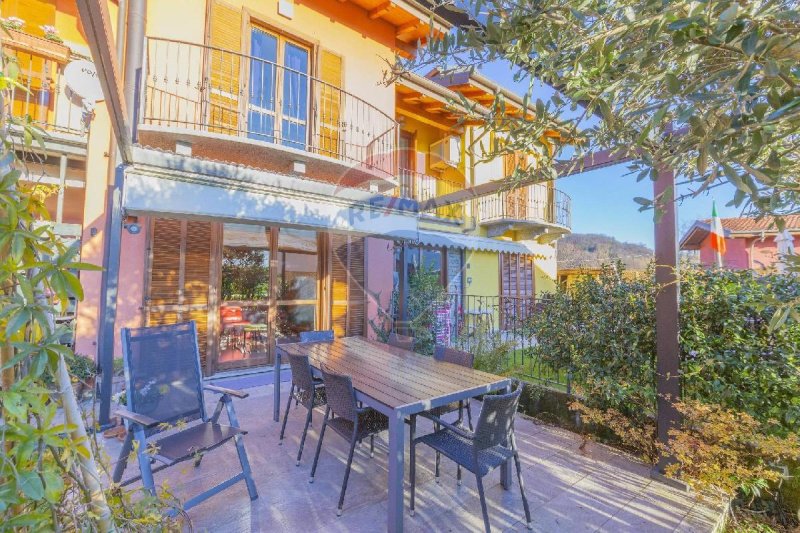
602 200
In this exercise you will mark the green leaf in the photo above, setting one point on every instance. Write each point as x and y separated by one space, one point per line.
31 485
673 83
726 19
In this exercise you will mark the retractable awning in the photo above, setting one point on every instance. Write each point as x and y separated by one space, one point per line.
471 242
256 203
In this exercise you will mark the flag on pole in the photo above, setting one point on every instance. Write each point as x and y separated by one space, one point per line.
717 235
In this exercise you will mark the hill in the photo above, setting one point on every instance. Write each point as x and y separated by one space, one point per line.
588 250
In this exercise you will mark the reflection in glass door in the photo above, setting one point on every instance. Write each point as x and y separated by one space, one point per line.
298 283
244 297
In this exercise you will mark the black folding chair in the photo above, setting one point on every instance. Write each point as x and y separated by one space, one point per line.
165 391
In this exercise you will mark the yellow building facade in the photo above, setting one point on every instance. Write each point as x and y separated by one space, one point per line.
278 183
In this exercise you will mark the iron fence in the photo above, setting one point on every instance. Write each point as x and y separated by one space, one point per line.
535 203
204 88
480 324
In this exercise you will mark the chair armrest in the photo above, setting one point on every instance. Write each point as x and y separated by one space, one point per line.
230 392
455 429
137 418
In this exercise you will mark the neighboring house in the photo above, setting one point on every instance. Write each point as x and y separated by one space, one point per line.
276 179
750 243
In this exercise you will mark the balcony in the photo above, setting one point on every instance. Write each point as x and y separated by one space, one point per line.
42 95
423 187
228 106
536 208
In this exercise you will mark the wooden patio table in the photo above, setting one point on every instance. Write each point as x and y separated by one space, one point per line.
397 383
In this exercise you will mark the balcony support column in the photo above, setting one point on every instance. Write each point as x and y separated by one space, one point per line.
133 23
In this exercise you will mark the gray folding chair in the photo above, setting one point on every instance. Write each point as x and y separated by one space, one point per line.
353 423
490 446
456 357
165 390
401 341
306 390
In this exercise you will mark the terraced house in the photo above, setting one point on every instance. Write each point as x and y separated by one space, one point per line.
278 184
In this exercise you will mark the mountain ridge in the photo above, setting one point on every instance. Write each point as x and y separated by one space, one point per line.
591 250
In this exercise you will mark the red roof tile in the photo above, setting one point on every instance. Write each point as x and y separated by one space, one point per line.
752 224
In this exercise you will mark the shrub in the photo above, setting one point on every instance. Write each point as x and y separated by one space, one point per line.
424 291
603 331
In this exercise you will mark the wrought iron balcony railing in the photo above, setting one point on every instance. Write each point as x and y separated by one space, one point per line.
536 204
423 187
206 89
42 94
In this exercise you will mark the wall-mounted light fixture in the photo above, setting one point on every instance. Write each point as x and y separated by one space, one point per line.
132 225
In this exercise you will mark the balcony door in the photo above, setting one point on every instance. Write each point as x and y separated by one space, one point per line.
278 94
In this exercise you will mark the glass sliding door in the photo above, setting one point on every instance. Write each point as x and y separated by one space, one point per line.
297 283
244 297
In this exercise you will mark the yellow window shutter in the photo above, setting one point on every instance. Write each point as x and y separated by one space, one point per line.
225 67
330 102
179 276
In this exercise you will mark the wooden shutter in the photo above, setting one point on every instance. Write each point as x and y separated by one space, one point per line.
330 102
516 199
225 67
179 275
348 306
516 287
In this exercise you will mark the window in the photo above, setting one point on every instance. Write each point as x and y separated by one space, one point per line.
278 95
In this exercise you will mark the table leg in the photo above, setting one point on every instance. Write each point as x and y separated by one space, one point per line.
505 470
397 440
276 388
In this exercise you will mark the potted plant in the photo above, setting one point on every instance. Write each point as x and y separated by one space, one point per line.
12 23
51 34
84 370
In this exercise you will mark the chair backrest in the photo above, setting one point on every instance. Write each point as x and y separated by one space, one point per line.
451 355
302 377
496 420
162 372
340 394
318 335
401 341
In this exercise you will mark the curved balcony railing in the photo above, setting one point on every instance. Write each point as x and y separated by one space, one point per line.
537 204
203 88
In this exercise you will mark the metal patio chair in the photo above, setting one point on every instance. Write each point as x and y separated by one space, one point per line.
165 391
319 335
401 341
489 446
306 390
457 357
353 423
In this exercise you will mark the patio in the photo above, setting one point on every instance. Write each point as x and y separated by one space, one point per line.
569 489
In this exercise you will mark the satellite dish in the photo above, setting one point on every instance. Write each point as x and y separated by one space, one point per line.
81 78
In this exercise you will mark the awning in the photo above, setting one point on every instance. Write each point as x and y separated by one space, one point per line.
340 211
472 242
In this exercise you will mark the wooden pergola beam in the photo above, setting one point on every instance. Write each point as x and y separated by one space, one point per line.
96 22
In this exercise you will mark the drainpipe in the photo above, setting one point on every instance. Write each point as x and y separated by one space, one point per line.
130 30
